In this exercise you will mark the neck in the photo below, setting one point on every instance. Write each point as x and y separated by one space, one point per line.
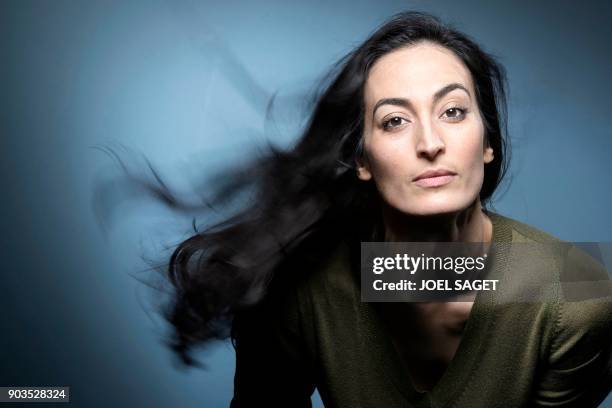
468 225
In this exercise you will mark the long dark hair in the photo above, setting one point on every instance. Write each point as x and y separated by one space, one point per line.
305 199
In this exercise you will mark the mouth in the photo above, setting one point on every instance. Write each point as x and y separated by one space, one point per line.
435 181
434 178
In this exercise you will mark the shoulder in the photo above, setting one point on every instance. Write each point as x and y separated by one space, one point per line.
301 283
554 258
577 318
574 284
327 271
520 231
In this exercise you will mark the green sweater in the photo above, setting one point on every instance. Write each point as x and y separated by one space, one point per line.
318 333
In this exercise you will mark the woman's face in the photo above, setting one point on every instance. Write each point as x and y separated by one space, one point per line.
421 115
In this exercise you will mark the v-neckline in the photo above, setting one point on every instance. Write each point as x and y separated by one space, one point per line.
461 367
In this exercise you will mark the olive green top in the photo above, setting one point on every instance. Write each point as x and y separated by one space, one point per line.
318 333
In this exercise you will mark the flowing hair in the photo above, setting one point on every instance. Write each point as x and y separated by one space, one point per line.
305 199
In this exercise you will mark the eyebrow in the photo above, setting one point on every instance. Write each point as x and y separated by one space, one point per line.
405 103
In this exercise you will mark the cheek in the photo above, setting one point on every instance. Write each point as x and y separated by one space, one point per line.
389 158
470 152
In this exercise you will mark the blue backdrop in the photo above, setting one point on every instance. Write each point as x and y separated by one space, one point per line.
187 83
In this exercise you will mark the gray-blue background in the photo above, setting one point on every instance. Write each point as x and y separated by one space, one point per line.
186 83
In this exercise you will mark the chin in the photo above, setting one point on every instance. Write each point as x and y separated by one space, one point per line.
431 210
439 205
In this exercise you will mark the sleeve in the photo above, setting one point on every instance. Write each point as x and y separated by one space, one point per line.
272 364
578 372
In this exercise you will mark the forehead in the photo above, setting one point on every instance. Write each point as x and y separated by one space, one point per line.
415 72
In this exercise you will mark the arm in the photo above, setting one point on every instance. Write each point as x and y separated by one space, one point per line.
578 372
272 365
579 369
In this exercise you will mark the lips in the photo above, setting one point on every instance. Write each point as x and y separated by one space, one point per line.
434 173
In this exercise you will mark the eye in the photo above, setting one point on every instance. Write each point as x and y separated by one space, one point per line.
393 123
455 114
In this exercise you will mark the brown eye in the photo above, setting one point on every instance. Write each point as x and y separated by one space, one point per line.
454 113
393 122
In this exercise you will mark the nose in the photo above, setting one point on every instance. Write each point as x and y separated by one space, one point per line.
429 143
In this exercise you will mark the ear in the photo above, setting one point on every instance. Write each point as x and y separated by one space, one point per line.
488 155
363 169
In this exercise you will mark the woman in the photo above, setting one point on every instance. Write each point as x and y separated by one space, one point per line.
406 143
